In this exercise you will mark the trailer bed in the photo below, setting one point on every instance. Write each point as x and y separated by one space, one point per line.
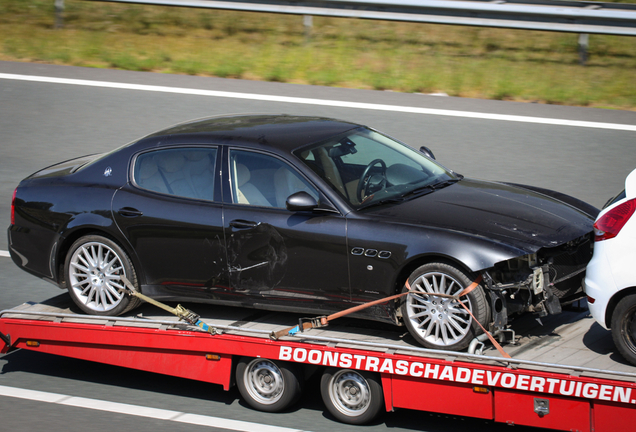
563 373
571 341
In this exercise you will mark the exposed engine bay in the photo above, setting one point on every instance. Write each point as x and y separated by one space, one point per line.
540 282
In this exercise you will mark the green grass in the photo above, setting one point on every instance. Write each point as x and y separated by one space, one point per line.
459 61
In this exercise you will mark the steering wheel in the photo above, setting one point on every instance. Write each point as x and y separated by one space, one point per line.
365 185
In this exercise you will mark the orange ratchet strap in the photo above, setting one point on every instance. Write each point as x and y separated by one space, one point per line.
323 321
465 291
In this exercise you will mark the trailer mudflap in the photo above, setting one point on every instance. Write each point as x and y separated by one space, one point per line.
6 338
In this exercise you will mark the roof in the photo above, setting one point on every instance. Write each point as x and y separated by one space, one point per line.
282 132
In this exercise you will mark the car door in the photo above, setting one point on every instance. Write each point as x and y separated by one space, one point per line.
282 259
171 213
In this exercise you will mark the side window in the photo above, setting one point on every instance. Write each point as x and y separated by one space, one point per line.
264 181
184 172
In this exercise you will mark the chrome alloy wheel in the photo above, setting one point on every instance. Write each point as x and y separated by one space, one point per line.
264 381
349 393
95 276
438 320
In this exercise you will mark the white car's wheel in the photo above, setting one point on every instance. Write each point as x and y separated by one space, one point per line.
624 328
93 269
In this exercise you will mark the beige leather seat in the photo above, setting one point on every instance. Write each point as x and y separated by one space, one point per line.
199 174
170 164
246 192
331 171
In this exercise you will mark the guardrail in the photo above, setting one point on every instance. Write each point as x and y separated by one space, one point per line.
561 16
582 17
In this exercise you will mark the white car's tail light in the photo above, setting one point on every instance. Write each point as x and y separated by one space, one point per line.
610 224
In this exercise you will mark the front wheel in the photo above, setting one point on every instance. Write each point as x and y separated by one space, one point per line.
439 322
93 270
268 385
353 397
624 328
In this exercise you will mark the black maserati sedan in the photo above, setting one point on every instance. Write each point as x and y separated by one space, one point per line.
304 214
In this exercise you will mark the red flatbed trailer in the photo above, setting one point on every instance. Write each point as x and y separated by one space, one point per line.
562 375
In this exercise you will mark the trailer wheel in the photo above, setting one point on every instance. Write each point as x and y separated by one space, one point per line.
353 397
268 385
624 328
93 269
442 323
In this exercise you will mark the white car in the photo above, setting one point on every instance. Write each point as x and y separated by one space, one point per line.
610 282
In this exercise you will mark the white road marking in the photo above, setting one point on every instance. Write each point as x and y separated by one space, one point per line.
321 102
140 411
4 254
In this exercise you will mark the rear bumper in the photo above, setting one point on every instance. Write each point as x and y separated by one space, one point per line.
600 283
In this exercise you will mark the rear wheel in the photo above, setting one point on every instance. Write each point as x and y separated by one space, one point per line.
438 322
624 328
353 397
268 385
93 270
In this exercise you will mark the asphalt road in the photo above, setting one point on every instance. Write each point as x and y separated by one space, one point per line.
43 122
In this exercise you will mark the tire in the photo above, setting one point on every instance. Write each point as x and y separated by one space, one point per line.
353 397
93 269
268 385
624 328
442 323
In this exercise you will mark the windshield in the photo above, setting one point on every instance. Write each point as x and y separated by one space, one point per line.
367 168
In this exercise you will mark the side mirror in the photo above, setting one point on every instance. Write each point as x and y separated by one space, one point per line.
427 151
301 201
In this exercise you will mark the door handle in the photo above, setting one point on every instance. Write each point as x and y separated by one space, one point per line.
239 223
129 212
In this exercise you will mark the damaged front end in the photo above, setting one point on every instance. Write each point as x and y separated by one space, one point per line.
541 282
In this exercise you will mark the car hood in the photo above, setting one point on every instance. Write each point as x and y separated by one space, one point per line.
509 214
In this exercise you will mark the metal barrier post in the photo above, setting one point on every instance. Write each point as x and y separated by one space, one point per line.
59 11
308 21
584 40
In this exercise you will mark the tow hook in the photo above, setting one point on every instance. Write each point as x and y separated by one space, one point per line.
477 344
